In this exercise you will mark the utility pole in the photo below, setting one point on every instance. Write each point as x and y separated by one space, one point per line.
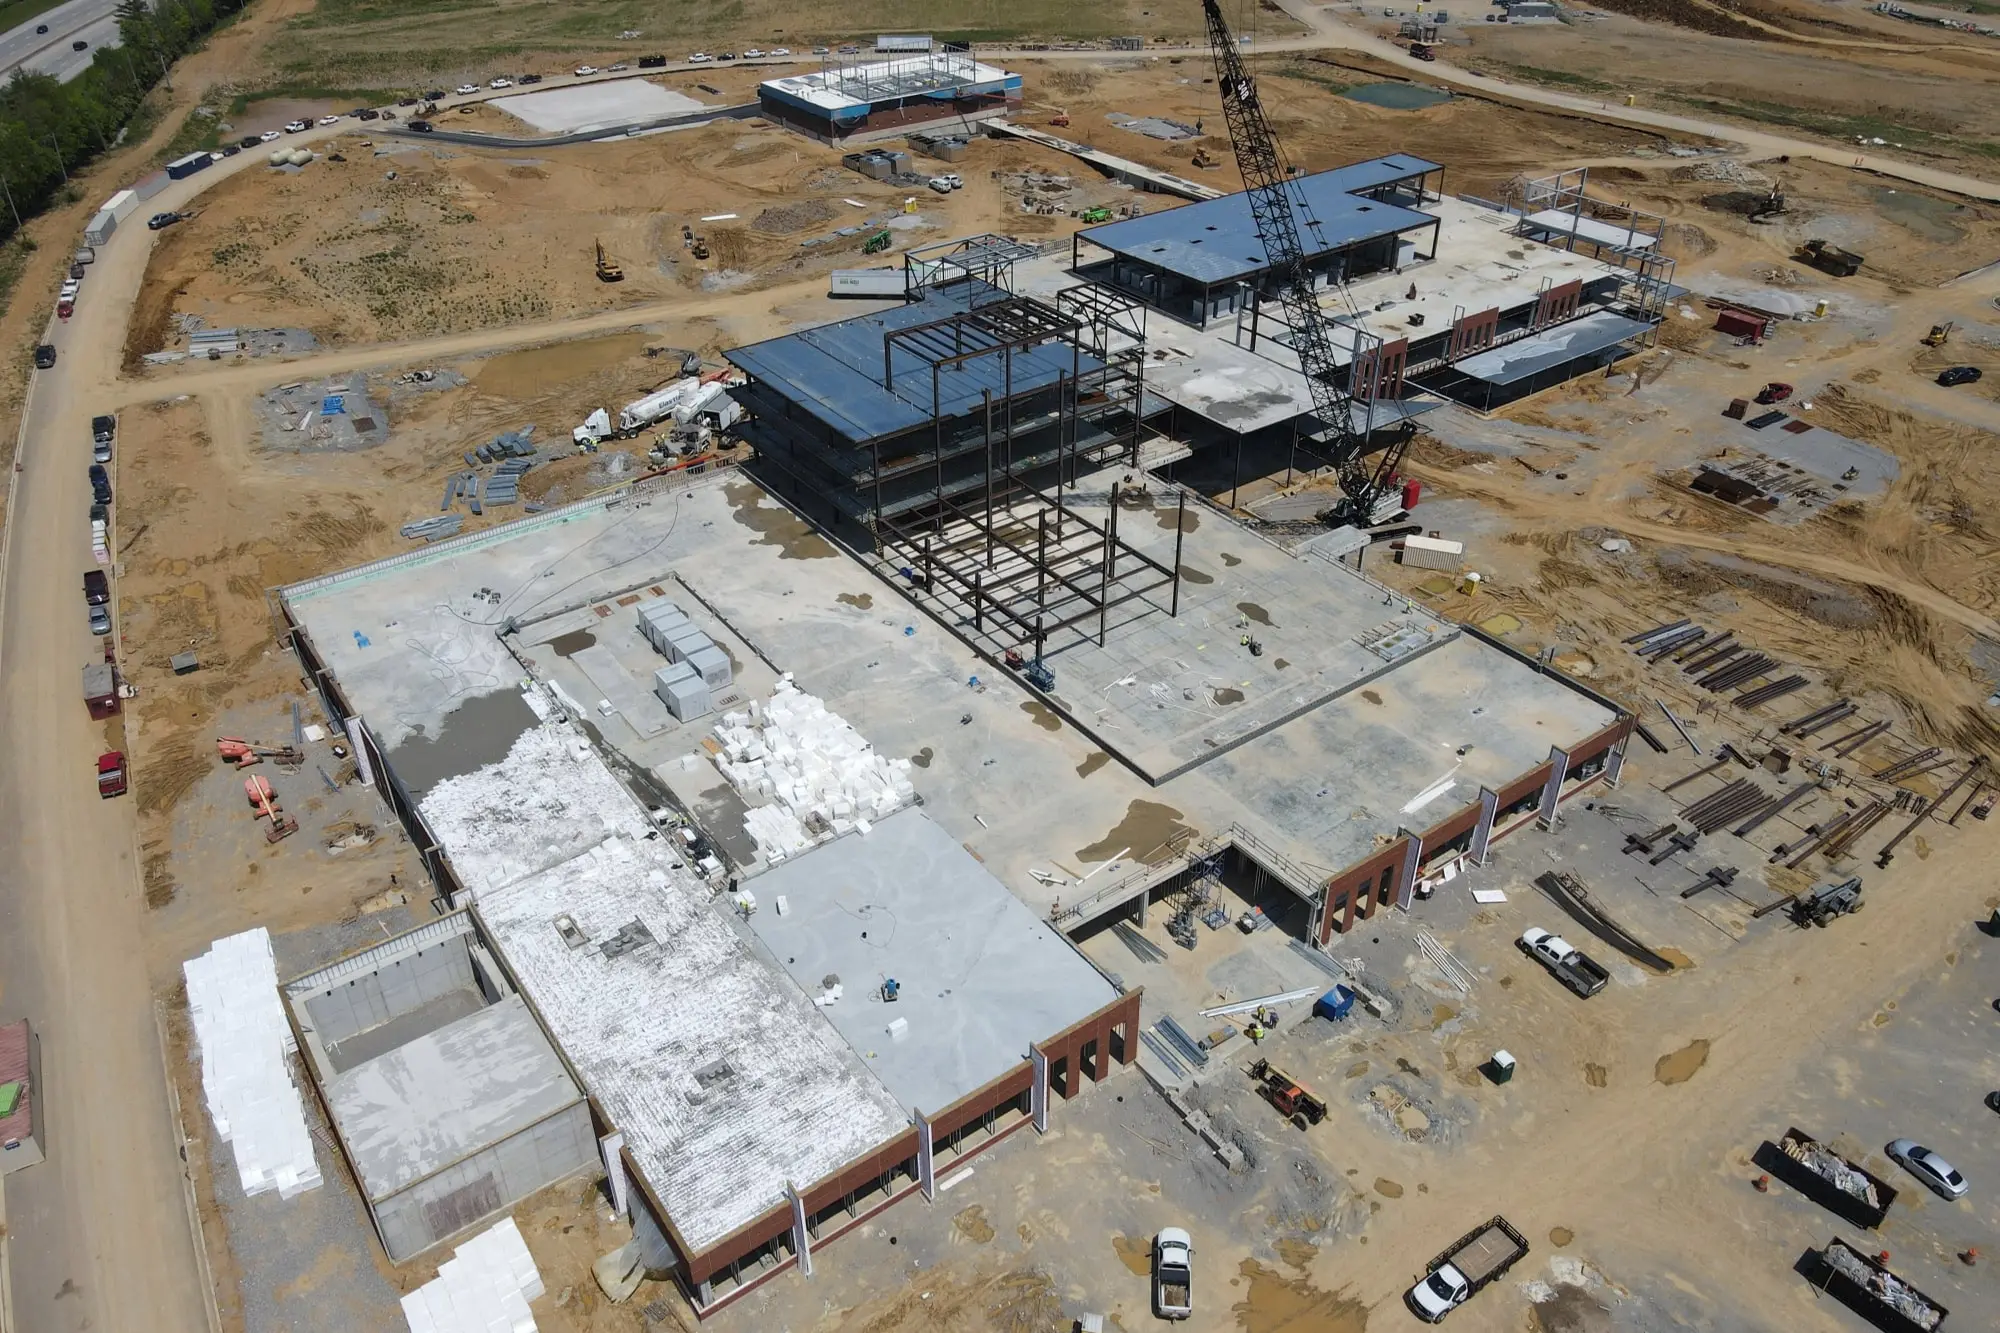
10 203
60 165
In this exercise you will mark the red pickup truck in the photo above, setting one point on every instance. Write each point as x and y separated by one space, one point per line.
111 774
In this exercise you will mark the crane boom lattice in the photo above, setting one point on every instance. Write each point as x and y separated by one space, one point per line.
1344 415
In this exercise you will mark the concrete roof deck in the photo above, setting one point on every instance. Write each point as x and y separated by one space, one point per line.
982 977
1016 786
1537 352
432 1101
1216 240
725 1079
1168 692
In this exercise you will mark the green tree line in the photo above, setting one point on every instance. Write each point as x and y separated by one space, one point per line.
49 129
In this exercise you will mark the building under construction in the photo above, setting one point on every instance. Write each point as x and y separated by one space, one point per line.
853 99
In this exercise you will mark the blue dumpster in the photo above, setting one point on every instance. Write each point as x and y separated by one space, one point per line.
1334 1004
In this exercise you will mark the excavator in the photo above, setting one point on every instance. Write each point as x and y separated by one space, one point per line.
607 267
1344 396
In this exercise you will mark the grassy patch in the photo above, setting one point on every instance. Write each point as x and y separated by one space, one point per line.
197 131
16 12
1557 78
1833 125
1307 74
311 92
384 41
13 262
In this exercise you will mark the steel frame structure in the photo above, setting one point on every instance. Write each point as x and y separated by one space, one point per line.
1651 273
1075 569
987 257
883 76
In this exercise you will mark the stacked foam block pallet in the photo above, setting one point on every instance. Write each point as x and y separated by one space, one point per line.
484 1287
825 779
246 1080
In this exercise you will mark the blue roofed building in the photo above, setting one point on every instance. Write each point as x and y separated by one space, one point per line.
1198 262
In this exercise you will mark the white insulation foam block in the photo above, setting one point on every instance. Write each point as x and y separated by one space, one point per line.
246 1080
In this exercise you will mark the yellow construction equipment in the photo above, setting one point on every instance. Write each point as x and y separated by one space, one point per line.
607 268
1202 158
1939 335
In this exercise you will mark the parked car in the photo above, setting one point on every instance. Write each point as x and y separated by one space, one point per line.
100 621
940 184
329 120
79 45
229 150
103 426
1930 1168
700 58
531 78
652 62
727 55
954 180
100 513
100 450
96 587
368 113
45 356
618 68
584 70
76 270
1960 375
753 54
41 29
269 135
160 221
434 94
779 51
466 89
420 126
820 51
406 101
1993 1101
502 82
296 127
250 141
1173 1274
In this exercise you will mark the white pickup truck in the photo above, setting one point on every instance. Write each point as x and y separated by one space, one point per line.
1173 1274
1574 968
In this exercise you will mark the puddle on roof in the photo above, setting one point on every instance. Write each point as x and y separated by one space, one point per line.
478 732
776 525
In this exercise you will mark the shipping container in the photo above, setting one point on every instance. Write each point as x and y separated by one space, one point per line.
1433 553
182 168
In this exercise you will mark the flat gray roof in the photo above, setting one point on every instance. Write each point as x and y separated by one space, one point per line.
1217 240
448 1094
1551 347
724 1077
981 976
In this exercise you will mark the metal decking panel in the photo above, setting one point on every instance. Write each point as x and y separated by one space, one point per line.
1216 240
834 371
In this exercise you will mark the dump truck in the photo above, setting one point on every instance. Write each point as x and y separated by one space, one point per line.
1571 966
1866 1286
1173 1274
1474 1262
1830 258
1828 1179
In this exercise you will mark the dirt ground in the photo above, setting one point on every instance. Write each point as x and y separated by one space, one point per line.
1834 69
1890 602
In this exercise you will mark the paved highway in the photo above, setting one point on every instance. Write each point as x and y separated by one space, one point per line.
91 21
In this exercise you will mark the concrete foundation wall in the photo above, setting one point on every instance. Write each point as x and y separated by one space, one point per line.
406 983
492 1180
